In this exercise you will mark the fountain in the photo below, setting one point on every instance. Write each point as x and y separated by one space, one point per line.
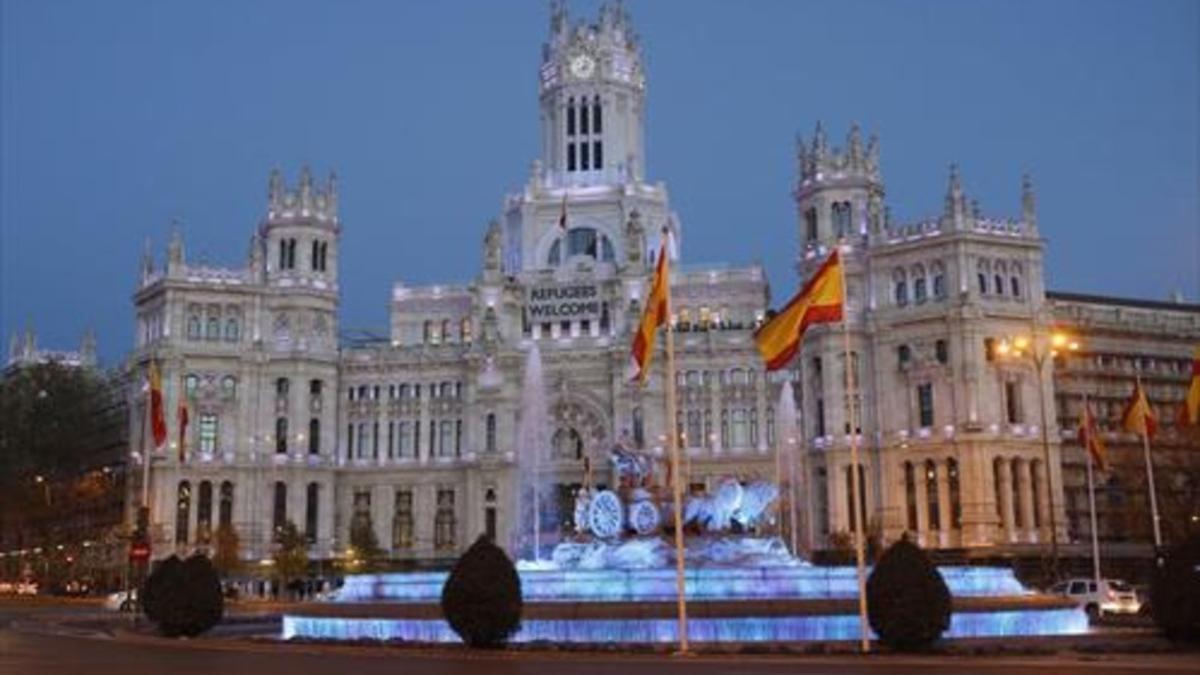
614 579
530 498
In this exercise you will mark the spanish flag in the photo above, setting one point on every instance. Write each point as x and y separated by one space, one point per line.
654 314
158 416
1089 438
1139 417
820 301
1190 414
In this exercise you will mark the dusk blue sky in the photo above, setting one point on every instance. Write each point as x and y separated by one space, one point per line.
116 117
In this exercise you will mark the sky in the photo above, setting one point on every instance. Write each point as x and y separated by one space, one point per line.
117 117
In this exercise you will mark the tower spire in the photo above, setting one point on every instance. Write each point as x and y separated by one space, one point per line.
1028 204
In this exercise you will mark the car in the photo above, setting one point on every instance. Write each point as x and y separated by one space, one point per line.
121 601
1112 596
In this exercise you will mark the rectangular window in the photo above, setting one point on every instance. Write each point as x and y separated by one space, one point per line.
596 126
402 433
583 119
349 440
597 155
208 433
570 156
402 520
583 156
391 446
490 433
820 417
925 404
570 120
443 523
1012 402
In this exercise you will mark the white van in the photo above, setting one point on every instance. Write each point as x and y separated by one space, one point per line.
1113 596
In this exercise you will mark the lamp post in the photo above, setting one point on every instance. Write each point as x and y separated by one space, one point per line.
1037 351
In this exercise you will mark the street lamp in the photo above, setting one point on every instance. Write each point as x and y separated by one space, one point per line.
1037 351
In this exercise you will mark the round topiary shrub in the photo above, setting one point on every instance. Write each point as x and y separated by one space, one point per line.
482 597
908 603
1175 592
183 597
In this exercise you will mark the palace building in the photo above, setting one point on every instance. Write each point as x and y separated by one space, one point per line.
415 435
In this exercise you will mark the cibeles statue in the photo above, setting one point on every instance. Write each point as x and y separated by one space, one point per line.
492 247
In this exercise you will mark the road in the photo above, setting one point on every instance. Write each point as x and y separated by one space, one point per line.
26 649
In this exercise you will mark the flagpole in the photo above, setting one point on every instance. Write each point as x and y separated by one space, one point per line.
1089 430
673 448
856 503
1149 470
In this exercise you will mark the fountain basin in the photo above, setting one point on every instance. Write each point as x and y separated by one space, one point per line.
655 622
776 603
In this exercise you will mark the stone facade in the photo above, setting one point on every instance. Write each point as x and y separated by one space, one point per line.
415 434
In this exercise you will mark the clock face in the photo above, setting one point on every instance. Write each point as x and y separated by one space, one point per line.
582 66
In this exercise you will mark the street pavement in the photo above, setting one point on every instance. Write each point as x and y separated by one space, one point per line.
32 642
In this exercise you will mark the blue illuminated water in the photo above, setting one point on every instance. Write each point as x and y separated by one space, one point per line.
796 582
800 581
735 629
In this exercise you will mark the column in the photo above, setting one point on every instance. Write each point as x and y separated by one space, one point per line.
922 498
1025 492
425 452
945 517
1005 477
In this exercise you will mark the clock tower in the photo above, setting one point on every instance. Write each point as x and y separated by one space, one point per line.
592 95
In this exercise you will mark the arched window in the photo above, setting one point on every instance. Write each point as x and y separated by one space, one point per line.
490 432
919 288
597 127
903 355
464 330
998 279
931 495
231 330
314 436
183 512
190 384
695 436
984 269
402 520
938 271
204 513
281 431
955 494
910 496
740 428
279 509
1015 280
212 329
446 330
225 510
312 506
840 213
444 524
193 328
900 286
430 338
